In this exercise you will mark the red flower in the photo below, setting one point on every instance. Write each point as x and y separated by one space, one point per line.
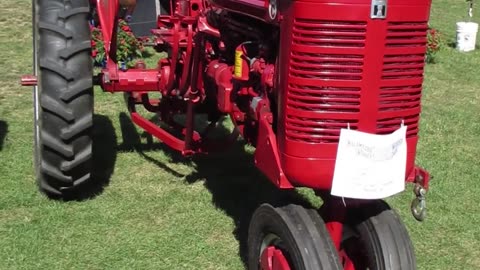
434 44
94 53
126 28
93 43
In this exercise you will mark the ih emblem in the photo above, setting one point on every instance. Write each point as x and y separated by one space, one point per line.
272 9
379 9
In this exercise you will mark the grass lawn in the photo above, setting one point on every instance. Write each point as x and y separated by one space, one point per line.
162 212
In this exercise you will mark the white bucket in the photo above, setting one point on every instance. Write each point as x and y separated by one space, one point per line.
466 36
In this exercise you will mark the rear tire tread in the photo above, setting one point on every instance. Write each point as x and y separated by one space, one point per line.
59 30
53 192
55 67
75 49
77 88
60 109
66 98
78 127
75 11
81 180
56 145
83 156
55 173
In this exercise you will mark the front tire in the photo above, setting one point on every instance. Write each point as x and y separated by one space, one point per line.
289 237
376 239
63 100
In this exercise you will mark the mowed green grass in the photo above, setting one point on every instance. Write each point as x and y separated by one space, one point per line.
160 211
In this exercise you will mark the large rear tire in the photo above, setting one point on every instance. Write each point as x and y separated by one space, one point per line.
289 237
63 99
376 239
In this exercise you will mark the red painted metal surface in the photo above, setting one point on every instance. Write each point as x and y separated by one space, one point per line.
132 80
29 80
339 68
253 8
107 13
204 27
221 74
334 214
266 156
158 132
267 71
345 261
420 176
272 258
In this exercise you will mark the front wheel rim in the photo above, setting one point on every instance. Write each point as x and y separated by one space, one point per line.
272 258
271 255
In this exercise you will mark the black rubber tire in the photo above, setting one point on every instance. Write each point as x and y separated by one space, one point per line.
301 233
380 240
63 100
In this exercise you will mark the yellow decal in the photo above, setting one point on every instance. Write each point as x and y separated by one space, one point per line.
237 71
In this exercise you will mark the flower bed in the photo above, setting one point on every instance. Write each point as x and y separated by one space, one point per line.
129 47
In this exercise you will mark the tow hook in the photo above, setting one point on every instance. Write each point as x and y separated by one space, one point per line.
419 205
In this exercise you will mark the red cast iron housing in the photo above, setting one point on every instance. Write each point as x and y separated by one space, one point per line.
341 69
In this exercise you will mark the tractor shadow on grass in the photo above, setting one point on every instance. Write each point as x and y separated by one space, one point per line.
3 132
236 185
239 188
132 141
104 155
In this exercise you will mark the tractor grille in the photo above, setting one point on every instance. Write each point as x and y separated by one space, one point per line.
402 75
329 33
315 130
403 66
324 99
389 125
398 98
324 82
406 34
326 85
326 66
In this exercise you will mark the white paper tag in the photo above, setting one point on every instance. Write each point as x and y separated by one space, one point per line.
370 166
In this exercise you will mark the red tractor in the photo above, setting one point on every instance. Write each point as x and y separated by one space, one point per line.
301 80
